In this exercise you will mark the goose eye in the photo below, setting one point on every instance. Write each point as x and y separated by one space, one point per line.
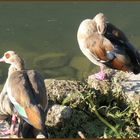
7 55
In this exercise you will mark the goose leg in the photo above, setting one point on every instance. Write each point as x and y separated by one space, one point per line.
100 75
12 129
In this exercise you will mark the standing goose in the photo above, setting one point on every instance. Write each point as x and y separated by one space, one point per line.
26 91
106 45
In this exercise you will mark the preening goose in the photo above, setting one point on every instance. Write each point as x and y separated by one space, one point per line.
26 91
106 45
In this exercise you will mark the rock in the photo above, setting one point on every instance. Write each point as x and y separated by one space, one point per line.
58 90
64 122
57 114
40 136
131 87
65 92
127 84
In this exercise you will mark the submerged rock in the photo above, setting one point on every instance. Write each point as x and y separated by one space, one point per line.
61 73
51 60
82 65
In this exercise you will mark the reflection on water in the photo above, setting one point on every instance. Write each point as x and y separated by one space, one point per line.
44 33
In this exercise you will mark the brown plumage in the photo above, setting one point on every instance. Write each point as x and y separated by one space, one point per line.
26 97
106 45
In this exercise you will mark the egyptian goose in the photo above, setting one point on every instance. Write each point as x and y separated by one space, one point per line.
106 45
26 91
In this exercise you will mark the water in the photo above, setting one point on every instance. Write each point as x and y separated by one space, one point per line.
44 34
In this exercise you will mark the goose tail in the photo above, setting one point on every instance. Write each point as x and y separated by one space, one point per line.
137 67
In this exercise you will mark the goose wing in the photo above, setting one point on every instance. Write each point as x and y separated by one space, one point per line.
24 99
38 86
122 45
102 50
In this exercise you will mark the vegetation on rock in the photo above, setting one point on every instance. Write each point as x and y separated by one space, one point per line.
99 108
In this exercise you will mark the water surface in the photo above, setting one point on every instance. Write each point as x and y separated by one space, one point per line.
44 34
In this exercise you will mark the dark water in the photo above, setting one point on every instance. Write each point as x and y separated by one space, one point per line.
44 33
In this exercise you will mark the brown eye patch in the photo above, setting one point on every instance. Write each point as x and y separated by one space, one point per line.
7 55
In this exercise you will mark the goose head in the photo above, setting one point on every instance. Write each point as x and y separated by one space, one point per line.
101 21
12 58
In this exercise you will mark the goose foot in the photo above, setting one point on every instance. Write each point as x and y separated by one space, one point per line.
12 130
9 131
100 76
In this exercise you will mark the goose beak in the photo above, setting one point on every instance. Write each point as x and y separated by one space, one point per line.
2 59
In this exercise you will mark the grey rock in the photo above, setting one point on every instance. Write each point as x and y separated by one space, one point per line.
57 114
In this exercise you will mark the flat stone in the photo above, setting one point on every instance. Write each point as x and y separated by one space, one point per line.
132 87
